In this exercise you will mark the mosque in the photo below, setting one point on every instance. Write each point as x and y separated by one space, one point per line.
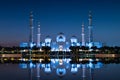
61 44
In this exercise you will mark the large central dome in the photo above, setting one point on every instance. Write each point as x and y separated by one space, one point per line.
61 37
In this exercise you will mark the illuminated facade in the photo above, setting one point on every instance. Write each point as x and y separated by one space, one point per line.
62 43
62 66
59 45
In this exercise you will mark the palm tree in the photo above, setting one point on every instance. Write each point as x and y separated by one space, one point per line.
94 49
46 49
0 48
74 49
117 50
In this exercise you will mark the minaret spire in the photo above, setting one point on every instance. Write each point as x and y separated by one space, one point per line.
38 35
31 29
83 35
90 28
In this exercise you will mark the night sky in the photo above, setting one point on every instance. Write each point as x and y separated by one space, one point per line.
59 16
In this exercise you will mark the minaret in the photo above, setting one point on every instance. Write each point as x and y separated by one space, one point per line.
83 71
30 73
38 35
31 29
90 28
83 35
38 71
91 73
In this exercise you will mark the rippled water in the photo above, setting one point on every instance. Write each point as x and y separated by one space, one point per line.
60 69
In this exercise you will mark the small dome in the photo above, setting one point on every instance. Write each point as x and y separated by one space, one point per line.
48 39
73 39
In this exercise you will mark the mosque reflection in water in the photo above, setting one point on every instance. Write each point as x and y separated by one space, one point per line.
62 67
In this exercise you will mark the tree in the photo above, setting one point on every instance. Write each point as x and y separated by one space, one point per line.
46 49
74 49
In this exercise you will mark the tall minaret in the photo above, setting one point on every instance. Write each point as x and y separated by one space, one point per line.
83 35
38 35
38 71
31 29
90 28
83 72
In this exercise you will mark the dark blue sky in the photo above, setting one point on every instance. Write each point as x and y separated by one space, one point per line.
59 16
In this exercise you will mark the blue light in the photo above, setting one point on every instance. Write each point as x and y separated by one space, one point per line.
61 38
32 44
23 44
91 65
31 65
98 65
61 71
47 68
23 66
74 68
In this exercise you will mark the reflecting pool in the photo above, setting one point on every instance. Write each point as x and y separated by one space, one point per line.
60 69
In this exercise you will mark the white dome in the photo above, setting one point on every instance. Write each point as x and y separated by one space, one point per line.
61 72
73 39
48 39
60 38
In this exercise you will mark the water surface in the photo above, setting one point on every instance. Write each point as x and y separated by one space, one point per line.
60 69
